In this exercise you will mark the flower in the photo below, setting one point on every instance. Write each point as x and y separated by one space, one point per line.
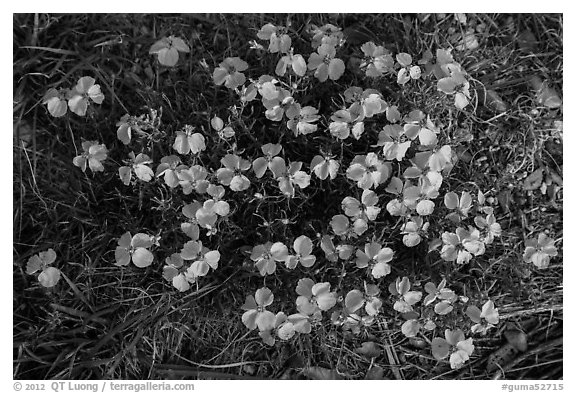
345 122
341 226
79 97
303 247
230 73
135 249
94 153
193 179
266 255
207 259
538 251
207 214
313 297
231 175
456 345
406 297
327 34
218 126
139 166
261 164
302 118
49 276
279 104
191 227
365 209
167 50
393 141
279 41
296 62
55 101
188 141
325 64
256 315
355 299
490 225
462 205
438 292
412 231
377 60
407 71
172 272
368 171
288 177
421 127
455 83
376 257
169 167
324 166
460 246
489 314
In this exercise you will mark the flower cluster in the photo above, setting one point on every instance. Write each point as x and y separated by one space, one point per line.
393 161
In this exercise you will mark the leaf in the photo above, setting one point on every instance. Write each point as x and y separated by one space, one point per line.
369 349
411 328
533 181
440 348
49 277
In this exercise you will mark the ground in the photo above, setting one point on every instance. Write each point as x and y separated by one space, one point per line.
104 321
